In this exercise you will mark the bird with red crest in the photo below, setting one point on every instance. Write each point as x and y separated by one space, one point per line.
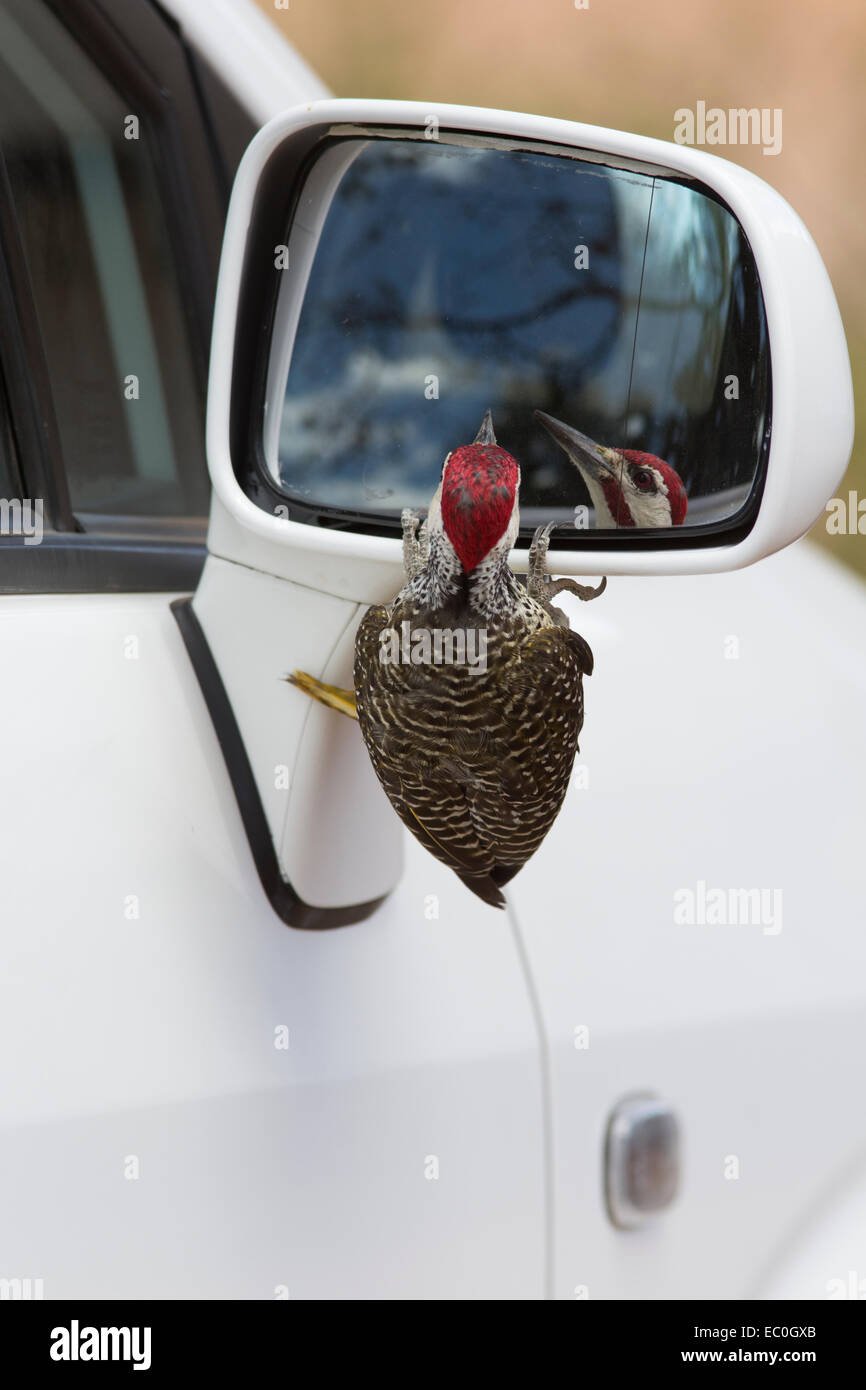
469 684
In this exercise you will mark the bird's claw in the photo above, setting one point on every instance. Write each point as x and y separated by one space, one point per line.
414 550
571 586
543 586
543 532
537 578
540 542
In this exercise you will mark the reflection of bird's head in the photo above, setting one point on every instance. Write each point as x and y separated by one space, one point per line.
477 498
627 487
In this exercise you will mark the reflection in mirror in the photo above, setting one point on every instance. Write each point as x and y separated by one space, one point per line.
611 317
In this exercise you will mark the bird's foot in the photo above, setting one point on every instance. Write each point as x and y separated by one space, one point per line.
413 548
571 586
541 585
538 579
331 695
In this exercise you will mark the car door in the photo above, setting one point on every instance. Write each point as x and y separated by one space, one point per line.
196 1100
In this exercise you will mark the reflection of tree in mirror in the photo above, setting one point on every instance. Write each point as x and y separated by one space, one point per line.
455 265
700 384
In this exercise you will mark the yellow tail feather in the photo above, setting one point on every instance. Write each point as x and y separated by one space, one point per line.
343 701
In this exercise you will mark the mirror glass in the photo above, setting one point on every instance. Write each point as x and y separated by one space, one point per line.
611 318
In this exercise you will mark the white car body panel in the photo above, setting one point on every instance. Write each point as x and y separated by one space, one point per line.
153 1037
742 773
307 1171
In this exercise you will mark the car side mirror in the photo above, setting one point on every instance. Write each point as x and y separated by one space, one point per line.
389 272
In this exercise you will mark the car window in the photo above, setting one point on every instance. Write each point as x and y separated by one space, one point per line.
9 485
82 164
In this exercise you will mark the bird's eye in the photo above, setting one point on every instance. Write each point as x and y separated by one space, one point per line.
643 479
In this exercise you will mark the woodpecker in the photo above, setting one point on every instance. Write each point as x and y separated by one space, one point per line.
474 758
627 487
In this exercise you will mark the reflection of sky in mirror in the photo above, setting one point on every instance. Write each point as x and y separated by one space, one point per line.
458 263
688 342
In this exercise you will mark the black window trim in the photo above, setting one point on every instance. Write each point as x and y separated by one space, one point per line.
25 374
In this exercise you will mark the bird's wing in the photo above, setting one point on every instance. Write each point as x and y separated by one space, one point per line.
476 766
535 728
397 709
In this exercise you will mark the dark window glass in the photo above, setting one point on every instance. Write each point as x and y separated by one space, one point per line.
9 485
105 282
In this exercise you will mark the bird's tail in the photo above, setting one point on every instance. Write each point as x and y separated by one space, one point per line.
483 887
343 701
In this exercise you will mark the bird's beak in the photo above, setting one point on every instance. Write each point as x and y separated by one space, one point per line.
590 457
485 434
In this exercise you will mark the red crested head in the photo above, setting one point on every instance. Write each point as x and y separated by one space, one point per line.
669 478
627 486
479 490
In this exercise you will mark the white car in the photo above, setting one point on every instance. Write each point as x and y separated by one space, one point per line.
617 1088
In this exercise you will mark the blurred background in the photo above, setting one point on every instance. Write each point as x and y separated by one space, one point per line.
630 65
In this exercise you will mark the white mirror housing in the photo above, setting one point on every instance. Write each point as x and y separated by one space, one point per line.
812 395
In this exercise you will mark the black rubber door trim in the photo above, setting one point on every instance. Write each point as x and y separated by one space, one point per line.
290 908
